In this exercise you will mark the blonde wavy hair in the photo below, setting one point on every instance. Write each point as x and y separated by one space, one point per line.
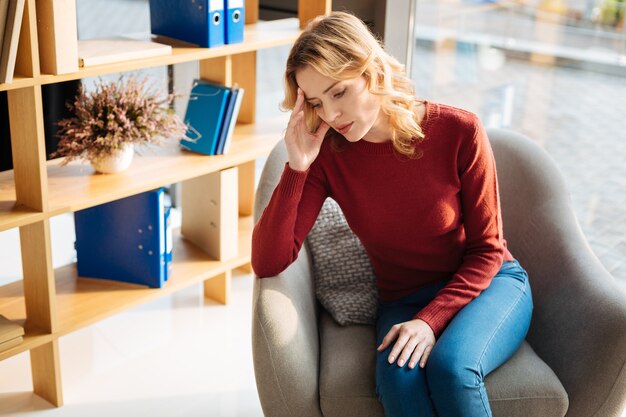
341 47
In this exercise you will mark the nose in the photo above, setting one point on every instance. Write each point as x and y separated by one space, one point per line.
333 113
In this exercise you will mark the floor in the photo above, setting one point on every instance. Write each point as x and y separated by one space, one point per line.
185 356
178 356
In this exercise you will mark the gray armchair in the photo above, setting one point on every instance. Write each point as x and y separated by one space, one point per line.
574 359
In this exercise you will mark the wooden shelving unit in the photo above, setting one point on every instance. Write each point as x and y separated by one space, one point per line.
84 301
75 187
52 303
257 36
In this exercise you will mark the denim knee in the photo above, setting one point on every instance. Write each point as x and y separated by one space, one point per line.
393 381
402 391
447 369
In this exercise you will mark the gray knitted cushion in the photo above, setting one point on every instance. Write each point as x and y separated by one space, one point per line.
345 283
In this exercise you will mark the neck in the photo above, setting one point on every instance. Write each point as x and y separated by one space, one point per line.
380 131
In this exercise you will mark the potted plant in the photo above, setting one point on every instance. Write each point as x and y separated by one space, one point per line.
110 120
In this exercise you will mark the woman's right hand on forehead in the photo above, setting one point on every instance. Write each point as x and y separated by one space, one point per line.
302 146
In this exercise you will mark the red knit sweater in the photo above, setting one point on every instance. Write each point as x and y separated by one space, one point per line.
420 220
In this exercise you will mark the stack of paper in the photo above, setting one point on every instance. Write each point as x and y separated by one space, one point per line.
11 334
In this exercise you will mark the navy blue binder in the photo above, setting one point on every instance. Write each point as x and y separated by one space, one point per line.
196 21
228 114
204 118
234 22
125 240
230 121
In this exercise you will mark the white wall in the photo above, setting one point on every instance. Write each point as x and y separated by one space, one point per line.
62 236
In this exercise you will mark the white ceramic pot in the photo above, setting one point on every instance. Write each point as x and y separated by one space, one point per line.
116 162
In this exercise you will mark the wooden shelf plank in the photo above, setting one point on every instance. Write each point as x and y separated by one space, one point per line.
257 36
13 307
19 81
13 216
31 341
84 301
76 186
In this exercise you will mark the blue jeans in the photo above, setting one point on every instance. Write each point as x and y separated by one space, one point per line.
481 337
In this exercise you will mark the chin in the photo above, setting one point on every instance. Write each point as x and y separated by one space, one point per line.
352 138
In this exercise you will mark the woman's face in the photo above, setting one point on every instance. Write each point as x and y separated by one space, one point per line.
347 106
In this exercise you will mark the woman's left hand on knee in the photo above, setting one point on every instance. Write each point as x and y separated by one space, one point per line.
414 341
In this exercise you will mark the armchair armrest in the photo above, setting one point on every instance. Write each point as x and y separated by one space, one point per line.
580 329
285 338
285 341
579 319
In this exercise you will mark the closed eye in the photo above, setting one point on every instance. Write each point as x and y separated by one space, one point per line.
337 95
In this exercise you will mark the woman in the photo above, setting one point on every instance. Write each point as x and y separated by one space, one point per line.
416 181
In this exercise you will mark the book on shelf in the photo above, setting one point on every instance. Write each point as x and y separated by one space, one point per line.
204 116
211 113
11 334
4 9
117 49
230 121
57 32
10 41
11 343
200 22
126 240
223 128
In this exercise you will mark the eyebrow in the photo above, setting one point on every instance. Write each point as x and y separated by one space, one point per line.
325 91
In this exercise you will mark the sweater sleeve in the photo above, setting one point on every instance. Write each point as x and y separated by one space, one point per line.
286 221
484 248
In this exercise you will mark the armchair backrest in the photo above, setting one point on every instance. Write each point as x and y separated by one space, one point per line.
535 203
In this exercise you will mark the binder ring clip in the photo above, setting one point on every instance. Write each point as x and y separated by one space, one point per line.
194 96
193 130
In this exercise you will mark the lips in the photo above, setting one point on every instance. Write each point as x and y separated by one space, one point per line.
344 128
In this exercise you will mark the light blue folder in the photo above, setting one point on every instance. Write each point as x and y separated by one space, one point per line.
205 116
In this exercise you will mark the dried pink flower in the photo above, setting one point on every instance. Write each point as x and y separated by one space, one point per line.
114 114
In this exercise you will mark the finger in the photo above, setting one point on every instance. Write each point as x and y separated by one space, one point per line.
295 119
417 354
299 101
389 337
425 355
322 129
397 348
298 107
409 348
